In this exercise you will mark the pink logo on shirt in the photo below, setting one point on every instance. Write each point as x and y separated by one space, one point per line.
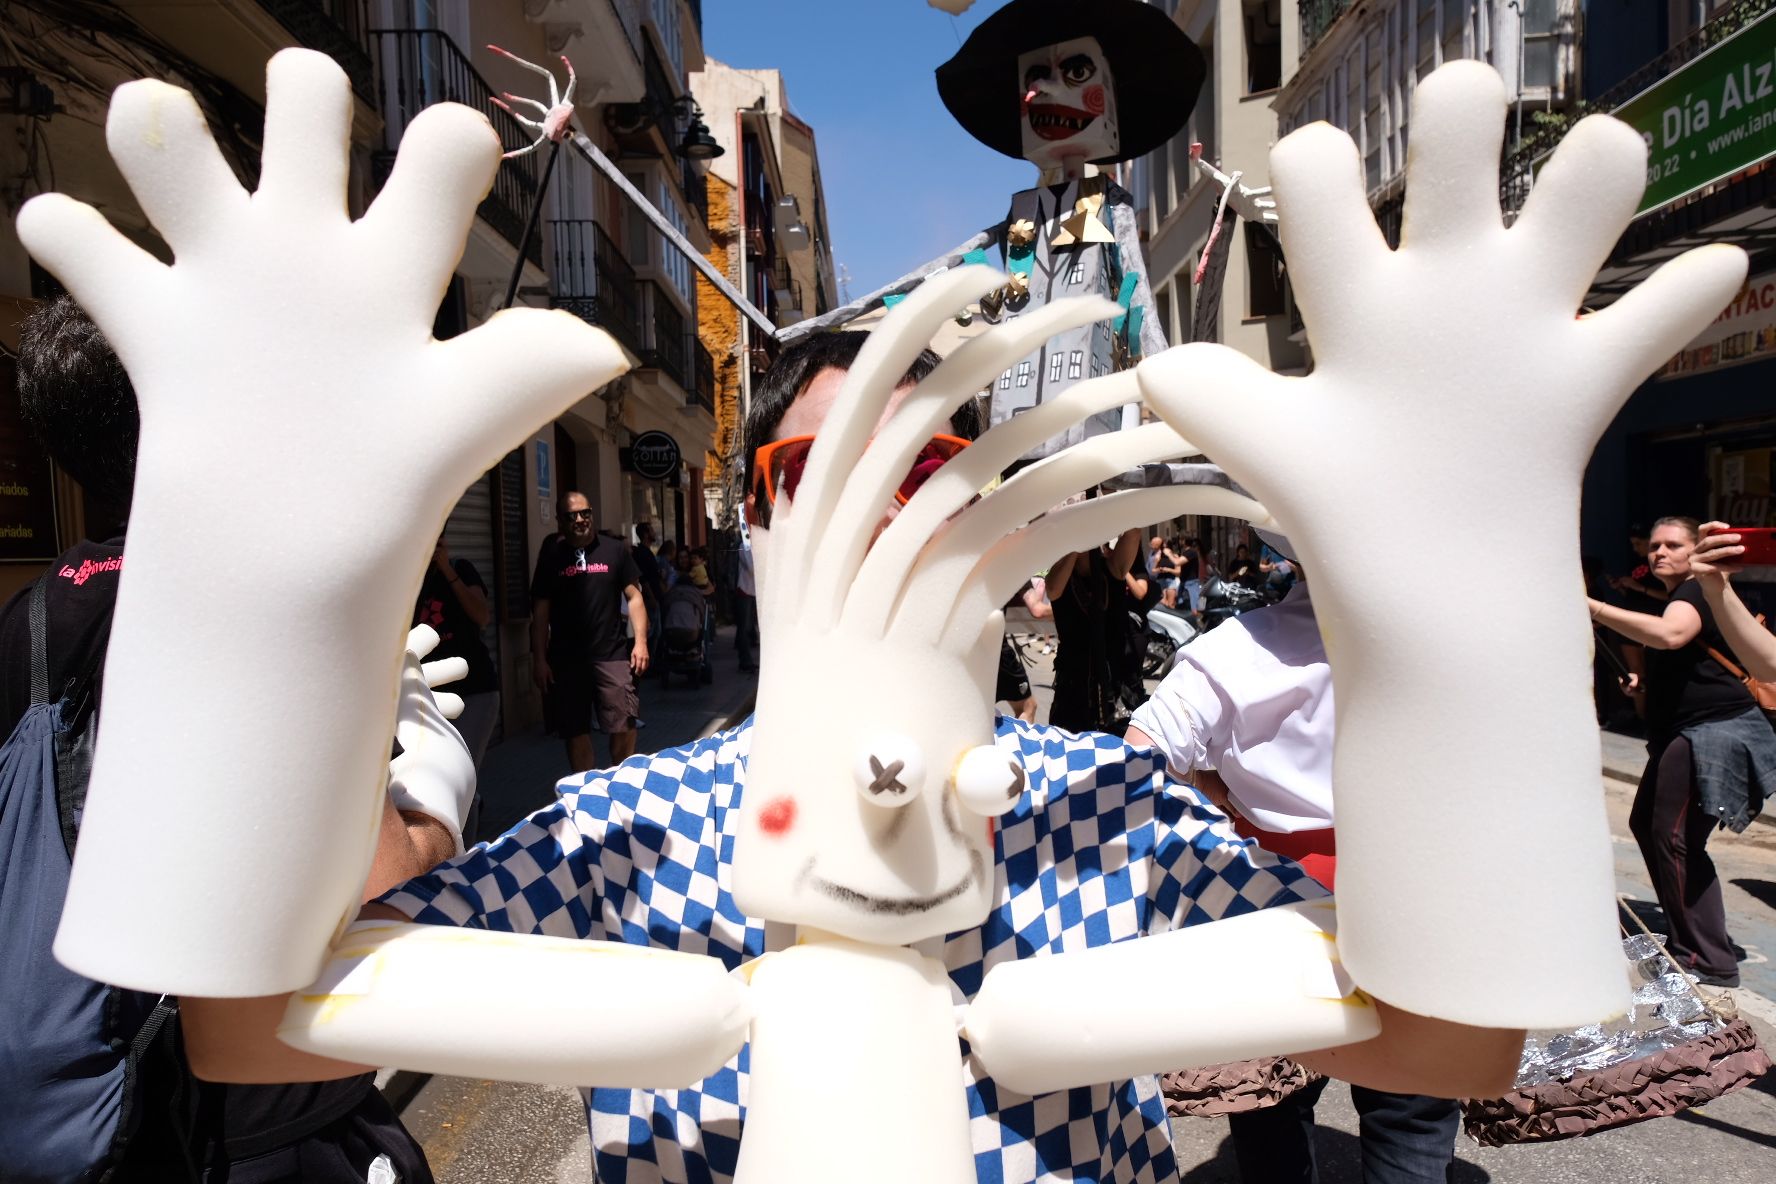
88 569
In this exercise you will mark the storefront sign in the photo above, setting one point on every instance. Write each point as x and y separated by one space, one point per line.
654 456
1710 118
27 494
1745 331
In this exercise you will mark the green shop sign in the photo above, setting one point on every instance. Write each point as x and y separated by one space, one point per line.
1711 118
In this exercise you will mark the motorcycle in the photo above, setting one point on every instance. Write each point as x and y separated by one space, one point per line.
1222 600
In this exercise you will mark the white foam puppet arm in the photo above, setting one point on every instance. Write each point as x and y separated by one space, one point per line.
1456 398
437 999
280 319
1276 985
435 774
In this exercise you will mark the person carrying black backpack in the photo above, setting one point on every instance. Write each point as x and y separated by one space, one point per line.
93 1079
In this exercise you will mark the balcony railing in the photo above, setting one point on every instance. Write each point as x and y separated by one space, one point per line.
702 392
338 28
669 340
1317 16
594 282
418 67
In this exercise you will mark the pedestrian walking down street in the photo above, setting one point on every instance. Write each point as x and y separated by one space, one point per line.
1247 715
746 637
582 661
1711 754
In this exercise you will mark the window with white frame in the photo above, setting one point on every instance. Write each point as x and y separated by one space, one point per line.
1540 44
671 40
672 260
1024 371
1426 33
1455 27
1055 361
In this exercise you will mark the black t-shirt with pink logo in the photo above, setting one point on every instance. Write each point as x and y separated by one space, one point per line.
584 588
458 636
77 607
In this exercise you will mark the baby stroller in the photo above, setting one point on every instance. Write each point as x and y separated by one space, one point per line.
685 633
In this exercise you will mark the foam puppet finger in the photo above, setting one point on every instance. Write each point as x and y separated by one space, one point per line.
445 671
1454 395
278 317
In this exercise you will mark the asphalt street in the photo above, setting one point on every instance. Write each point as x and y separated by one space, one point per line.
483 1132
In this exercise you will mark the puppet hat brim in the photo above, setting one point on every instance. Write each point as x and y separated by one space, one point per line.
1157 70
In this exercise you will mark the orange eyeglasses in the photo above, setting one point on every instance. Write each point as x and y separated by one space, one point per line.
777 467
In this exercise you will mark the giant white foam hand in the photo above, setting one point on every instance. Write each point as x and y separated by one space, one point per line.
1456 398
287 354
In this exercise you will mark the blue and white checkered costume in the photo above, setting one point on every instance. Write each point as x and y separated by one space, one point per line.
1101 848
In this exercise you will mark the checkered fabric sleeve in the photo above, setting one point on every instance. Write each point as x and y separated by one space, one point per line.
1102 848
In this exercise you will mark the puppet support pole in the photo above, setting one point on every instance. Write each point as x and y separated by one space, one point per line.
603 164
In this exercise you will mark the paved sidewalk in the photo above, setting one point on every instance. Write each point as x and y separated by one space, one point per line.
519 774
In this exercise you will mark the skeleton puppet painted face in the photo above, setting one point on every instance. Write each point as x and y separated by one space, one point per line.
1068 100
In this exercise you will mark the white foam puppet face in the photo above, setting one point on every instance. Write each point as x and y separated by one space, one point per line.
1068 101
873 777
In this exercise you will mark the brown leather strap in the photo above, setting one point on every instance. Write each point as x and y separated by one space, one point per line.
1730 668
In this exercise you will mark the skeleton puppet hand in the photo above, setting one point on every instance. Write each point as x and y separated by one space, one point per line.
1456 397
303 431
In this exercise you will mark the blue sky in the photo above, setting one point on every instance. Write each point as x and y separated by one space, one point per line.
903 180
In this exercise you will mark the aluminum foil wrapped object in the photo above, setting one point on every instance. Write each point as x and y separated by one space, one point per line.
1666 1012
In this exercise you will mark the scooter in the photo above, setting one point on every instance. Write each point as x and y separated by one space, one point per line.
1165 631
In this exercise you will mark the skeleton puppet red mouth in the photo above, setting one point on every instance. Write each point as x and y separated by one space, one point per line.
1052 121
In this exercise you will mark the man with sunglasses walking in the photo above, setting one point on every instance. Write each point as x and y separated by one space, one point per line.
582 661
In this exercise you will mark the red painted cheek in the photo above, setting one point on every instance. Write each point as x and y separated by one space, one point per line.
777 816
1094 99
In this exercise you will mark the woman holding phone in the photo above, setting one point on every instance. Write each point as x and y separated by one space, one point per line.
1720 550
1710 752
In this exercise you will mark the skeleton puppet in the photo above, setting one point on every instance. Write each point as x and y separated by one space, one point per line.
1063 85
865 833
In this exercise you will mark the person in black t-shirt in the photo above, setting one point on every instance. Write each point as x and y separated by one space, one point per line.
1693 707
581 659
76 398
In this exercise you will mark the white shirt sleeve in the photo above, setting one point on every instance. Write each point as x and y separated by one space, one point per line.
1183 719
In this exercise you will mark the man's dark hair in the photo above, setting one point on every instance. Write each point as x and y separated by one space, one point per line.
798 365
561 504
77 401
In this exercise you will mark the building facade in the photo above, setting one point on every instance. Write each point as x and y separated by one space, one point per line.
590 251
768 234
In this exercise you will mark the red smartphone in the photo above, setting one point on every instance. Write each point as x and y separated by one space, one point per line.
1759 543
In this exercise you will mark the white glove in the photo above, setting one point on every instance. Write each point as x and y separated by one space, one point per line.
434 775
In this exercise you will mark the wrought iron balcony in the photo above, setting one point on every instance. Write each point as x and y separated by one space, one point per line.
1318 16
415 68
337 28
594 282
669 340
